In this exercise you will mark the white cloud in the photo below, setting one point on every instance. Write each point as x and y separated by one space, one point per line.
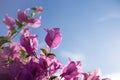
114 76
72 55
114 15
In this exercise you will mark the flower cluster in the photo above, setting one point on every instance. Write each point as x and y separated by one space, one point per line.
21 61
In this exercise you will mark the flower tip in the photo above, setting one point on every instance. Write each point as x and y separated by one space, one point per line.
18 10
46 29
41 8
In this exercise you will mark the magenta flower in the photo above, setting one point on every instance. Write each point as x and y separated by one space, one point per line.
96 75
53 63
9 22
10 71
53 37
23 18
43 68
29 41
34 22
15 68
106 79
35 69
71 70
25 75
5 75
13 50
38 9
92 75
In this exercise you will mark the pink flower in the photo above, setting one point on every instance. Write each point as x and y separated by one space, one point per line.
13 49
22 16
106 79
11 70
53 64
16 67
34 22
92 75
71 70
96 75
34 68
9 22
29 41
53 37
5 75
25 75
43 68
38 9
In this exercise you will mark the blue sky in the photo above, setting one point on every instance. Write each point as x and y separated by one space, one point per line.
90 28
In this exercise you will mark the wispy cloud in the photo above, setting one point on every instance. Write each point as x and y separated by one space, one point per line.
114 76
73 55
113 15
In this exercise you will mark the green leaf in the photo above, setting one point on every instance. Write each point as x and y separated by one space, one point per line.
10 60
13 32
27 55
50 54
32 15
43 50
34 8
24 54
3 40
53 77
19 24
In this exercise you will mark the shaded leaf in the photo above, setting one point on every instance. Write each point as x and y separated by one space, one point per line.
32 15
53 77
34 8
19 24
43 50
24 54
3 40
10 60
50 54
27 55
13 32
